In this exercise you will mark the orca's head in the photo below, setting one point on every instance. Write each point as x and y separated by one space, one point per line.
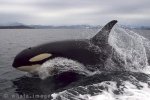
31 58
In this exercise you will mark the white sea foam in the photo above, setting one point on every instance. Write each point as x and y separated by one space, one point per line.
130 50
128 91
59 65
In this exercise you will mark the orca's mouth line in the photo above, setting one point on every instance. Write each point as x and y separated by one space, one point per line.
30 69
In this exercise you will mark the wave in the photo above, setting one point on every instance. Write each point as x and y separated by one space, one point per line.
130 50
59 65
107 90
109 86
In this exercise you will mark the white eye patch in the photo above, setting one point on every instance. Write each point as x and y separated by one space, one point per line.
40 57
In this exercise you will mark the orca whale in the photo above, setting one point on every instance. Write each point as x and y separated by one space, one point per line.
93 51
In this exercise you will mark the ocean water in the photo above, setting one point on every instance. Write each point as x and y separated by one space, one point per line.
131 84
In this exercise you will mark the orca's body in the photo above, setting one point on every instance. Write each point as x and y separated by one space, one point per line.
86 51
78 50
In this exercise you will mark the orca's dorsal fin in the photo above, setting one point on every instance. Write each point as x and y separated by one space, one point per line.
102 36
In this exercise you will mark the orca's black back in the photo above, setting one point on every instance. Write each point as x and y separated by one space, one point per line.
80 50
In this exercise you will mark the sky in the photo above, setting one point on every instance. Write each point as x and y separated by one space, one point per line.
75 12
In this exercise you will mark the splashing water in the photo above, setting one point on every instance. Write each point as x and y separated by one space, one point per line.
107 90
59 65
129 50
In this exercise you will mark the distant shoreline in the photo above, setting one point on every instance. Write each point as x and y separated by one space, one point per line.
50 27
63 27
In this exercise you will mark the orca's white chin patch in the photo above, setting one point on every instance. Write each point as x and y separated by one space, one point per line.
30 69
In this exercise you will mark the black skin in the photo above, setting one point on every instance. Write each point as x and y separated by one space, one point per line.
78 50
86 51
